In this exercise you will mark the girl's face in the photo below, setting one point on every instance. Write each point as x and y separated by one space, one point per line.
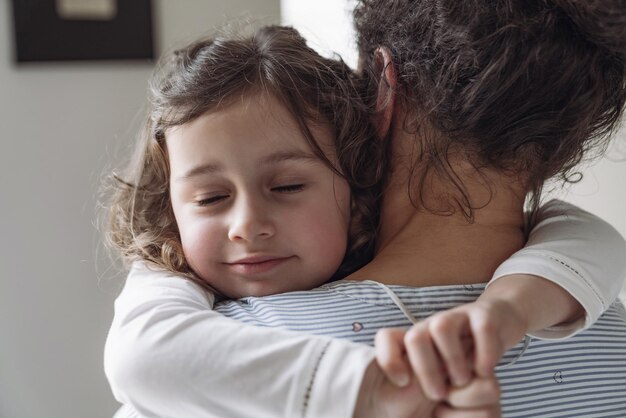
258 212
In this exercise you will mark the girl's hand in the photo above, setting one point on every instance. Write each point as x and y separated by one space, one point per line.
452 348
380 398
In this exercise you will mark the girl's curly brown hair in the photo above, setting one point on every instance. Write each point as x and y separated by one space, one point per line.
529 87
207 76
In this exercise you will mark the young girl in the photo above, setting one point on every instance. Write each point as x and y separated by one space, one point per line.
252 179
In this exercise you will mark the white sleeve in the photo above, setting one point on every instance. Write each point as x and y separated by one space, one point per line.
577 251
168 354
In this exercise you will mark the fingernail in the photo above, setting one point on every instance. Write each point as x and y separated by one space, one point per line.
401 380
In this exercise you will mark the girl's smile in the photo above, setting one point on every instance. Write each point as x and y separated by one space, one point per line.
257 265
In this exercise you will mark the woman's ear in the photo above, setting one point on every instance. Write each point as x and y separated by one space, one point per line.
386 95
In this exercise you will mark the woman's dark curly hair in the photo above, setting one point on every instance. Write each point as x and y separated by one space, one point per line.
208 76
529 87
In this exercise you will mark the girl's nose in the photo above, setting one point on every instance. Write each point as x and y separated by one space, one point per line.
251 221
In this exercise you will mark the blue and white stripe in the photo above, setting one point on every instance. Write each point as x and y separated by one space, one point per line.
583 376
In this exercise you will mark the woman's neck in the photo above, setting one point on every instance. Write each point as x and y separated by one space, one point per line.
419 247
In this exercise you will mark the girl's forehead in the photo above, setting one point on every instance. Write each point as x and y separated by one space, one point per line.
245 138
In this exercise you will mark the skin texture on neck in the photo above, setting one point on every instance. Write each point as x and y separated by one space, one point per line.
418 245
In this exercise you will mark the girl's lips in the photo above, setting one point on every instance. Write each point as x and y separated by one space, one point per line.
257 265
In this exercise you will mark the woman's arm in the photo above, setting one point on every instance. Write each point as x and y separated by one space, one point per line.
169 355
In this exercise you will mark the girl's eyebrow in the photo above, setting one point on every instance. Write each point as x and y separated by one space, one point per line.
199 170
281 156
274 158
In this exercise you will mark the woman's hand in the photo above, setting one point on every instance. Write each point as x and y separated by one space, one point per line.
451 348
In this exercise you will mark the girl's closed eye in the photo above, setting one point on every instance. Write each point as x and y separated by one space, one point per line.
288 188
211 200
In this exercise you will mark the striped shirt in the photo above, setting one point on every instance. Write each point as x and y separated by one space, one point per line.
583 376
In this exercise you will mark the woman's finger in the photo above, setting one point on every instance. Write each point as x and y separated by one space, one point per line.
425 361
391 356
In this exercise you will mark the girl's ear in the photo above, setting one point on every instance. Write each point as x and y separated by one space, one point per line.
386 96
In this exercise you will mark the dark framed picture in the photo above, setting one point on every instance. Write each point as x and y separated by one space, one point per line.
73 30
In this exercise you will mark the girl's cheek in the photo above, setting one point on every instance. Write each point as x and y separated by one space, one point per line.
200 239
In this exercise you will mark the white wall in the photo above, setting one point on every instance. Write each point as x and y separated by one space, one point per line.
60 125
327 24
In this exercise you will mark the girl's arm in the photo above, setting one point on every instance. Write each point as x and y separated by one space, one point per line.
568 274
169 355
575 251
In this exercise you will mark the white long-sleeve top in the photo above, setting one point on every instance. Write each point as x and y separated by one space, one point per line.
168 354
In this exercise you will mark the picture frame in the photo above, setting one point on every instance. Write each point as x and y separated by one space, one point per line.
52 30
